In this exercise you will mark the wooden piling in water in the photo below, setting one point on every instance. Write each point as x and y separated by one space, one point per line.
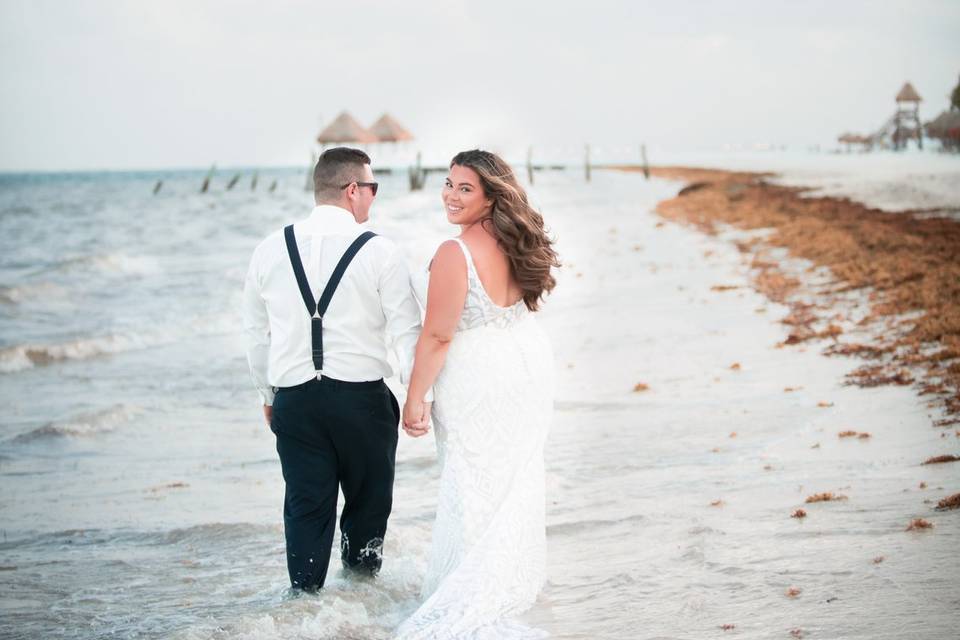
530 165
417 175
156 187
233 181
206 180
643 159
586 163
253 181
273 186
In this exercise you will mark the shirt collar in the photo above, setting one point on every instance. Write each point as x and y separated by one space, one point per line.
328 218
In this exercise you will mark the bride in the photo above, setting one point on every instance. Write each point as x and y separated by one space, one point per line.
491 368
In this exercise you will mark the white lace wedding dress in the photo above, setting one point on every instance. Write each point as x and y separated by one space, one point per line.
492 409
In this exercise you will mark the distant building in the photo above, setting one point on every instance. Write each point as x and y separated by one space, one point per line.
343 130
946 128
387 129
902 127
906 121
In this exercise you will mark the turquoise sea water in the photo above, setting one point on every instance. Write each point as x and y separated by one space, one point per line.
141 493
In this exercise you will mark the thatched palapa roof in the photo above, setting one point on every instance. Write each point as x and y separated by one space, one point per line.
345 129
944 124
853 138
908 94
389 130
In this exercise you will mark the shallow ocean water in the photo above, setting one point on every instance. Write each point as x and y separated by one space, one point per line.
141 493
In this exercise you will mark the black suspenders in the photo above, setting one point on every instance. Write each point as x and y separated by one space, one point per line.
317 309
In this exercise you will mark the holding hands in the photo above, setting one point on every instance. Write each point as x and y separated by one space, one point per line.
416 417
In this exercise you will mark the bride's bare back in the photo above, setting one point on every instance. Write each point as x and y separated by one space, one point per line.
492 266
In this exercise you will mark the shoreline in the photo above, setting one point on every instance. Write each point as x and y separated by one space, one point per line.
885 285
681 444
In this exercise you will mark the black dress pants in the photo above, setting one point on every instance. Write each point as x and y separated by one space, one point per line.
332 433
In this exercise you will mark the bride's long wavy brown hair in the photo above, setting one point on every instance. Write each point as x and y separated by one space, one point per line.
516 225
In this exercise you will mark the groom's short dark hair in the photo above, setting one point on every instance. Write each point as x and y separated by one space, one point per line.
335 168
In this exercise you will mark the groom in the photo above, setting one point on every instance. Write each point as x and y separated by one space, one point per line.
321 298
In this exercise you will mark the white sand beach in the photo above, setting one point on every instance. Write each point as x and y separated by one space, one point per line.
144 499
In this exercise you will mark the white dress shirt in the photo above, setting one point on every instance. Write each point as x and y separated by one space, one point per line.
372 304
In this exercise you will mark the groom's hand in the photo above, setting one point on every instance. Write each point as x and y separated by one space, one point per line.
267 413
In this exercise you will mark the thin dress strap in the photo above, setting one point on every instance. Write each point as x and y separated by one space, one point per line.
479 307
471 267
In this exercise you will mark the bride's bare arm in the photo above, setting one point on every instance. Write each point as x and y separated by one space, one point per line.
445 296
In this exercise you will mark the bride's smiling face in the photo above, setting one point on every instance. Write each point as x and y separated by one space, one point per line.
463 196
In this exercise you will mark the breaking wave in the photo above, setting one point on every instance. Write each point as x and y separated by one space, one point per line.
27 356
82 425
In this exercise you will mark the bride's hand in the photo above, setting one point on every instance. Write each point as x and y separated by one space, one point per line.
416 417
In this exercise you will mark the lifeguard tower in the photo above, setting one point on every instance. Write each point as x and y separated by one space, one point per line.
906 121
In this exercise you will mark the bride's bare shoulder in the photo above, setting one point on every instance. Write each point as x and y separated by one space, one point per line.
448 256
480 242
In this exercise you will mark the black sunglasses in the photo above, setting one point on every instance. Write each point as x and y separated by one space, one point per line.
373 185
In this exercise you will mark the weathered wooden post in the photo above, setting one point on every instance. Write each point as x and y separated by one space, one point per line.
417 175
273 186
586 163
530 165
233 182
156 187
206 180
643 158
253 182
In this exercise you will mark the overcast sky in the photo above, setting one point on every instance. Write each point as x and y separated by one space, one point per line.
143 84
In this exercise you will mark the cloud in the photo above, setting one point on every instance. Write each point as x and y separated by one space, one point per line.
120 84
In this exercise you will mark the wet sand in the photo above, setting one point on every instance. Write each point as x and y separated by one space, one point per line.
701 482
884 286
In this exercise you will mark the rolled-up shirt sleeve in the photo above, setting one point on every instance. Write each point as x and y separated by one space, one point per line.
402 314
256 329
